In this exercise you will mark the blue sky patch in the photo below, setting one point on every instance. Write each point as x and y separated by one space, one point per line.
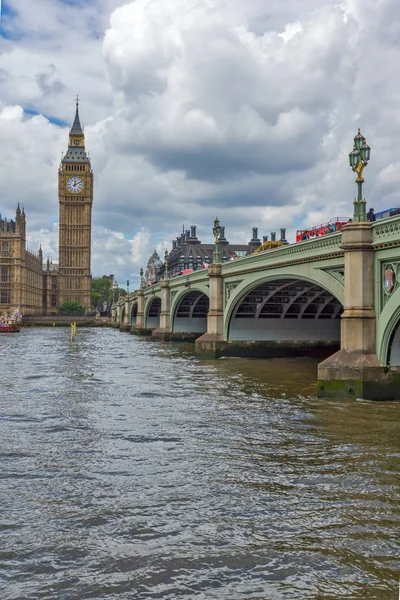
7 15
54 120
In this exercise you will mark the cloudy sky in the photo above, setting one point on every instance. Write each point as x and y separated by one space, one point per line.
196 108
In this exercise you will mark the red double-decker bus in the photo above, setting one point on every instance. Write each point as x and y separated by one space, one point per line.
331 226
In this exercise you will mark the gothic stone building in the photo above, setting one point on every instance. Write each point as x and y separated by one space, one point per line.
24 280
21 274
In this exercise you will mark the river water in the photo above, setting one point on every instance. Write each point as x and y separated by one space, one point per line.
131 470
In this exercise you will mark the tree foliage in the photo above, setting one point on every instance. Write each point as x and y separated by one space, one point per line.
71 307
102 291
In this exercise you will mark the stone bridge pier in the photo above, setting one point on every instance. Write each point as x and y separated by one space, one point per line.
210 344
163 332
355 369
139 327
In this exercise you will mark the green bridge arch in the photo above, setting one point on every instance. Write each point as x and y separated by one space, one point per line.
147 305
386 325
316 276
132 306
181 295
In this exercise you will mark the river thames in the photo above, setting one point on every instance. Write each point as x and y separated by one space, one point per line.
130 469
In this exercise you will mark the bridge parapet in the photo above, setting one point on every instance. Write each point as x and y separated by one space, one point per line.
386 232
151 290
306 251
192 278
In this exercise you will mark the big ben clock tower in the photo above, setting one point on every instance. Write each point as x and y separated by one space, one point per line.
75 194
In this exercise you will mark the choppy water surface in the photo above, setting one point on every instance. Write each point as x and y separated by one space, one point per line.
129 469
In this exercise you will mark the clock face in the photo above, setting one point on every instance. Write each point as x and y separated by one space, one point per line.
75 185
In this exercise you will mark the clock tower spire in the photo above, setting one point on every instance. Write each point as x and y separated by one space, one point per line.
76 136
75 194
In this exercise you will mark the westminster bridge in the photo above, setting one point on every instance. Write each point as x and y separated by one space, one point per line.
335 296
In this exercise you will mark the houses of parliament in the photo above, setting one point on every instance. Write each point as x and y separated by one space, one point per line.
41 288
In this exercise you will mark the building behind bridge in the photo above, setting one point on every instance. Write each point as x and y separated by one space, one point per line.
188 252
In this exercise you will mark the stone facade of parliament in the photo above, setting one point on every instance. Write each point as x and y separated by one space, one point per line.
37 288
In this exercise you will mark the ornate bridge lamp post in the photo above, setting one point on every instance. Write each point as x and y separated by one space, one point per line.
163 331
114 288
126 319
359 158
166 265
217 235
138 328
355 370
210 344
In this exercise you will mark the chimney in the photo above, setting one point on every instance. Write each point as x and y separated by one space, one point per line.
265 239
283 236
173 244
187 235
192 238
273 236
222 238
179 241
254 242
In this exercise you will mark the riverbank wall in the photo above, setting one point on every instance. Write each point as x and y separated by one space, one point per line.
61 321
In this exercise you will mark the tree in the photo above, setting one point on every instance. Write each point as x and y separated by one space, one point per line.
71 306
102 291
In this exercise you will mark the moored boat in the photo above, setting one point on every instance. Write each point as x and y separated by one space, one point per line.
9 328
10 324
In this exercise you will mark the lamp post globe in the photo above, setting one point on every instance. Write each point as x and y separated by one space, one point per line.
354 158
358 140
365 152
217 227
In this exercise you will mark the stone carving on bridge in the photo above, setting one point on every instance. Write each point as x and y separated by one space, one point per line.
229 287
337 274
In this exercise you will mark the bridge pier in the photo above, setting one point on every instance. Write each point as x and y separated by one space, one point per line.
212 343
355 371
138 328
125 326
163 332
